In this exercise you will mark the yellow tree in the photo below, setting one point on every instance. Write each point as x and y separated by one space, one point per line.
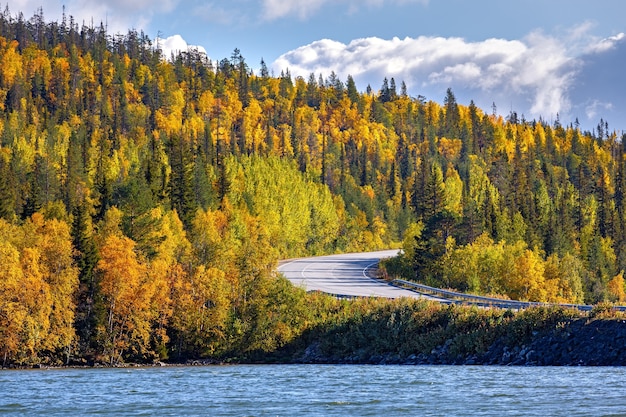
41 292
12 312
201 297
525 280
166 275
566 274
160 278
461 269
453 191
615 288
54 243
211 239
204 309
253 127
126 330
34 297
10 62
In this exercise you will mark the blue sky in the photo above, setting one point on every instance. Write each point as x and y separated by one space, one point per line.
539 58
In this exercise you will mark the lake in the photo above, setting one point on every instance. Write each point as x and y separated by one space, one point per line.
316 390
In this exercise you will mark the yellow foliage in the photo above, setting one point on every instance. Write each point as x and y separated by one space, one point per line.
450 148
210 234
368 192
530 284
502 143
212 292
615 288
206 103
563 280
253 126
526 138
513 270
127 296
453 191
60 275
12 312
10 62
61 145
111 224
411 234
159 280
540 134
35 296
24 151
77 119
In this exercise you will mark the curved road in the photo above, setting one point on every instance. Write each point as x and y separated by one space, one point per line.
343 275
351 275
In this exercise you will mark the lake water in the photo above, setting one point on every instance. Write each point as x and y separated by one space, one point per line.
316 390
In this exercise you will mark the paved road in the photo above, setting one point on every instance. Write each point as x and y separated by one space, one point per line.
344 275
351 275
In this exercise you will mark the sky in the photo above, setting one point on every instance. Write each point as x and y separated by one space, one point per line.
544 59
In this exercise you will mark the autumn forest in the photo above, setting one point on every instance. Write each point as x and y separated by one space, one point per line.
145 200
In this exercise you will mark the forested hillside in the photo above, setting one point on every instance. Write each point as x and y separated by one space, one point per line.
145 200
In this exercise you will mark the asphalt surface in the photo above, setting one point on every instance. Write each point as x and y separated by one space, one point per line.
349 275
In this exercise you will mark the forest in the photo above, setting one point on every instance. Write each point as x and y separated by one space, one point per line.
145 200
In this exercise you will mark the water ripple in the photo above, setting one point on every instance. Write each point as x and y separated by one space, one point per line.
315 390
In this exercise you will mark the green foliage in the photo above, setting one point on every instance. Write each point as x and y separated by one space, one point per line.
299 214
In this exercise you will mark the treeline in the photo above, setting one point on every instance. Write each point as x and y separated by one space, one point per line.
145 201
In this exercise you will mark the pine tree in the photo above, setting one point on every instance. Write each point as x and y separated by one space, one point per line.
434 191
352 92
86 258
181 183
385 92
452 117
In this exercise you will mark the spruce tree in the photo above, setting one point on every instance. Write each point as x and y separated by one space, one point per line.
181 191
86 258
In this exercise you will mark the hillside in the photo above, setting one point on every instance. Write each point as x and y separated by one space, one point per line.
145 201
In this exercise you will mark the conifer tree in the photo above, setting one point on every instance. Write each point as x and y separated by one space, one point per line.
86 258
181 182
352 91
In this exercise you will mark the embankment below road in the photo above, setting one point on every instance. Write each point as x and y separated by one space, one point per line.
457 335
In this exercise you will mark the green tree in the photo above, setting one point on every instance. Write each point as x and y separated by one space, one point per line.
181 183
452 117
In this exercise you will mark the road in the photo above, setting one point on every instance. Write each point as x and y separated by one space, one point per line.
351 275
343 275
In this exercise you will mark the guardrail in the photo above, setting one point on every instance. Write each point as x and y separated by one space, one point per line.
481 301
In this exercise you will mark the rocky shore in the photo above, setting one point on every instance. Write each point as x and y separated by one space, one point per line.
579 342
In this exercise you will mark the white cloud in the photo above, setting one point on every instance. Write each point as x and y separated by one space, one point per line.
605 44
535 72
276 9
466 72
596 108
175 44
